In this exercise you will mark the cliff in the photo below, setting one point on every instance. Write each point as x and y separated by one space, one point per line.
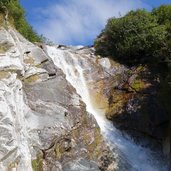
52 98
44 124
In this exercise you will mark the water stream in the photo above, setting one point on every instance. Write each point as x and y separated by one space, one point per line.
78 71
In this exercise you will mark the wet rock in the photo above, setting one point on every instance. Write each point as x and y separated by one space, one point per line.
81 165
135 107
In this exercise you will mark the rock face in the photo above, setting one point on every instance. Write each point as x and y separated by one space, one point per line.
106 87
131 97
137 105
44 124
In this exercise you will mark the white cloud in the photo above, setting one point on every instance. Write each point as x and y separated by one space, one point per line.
80 21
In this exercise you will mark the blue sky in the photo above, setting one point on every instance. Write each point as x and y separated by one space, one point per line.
78 22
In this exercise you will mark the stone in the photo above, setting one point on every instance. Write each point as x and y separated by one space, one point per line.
43 121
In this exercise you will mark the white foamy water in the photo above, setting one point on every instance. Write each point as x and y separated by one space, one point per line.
78 73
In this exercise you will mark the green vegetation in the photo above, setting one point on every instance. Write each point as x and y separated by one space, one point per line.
140 37
4 3
16 17
37 164
32 79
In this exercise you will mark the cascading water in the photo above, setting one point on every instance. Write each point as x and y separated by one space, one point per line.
78 70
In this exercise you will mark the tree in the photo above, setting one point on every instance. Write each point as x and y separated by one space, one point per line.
163 14
4 2
3 7
136 38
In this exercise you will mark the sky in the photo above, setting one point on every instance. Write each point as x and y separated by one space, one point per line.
78 22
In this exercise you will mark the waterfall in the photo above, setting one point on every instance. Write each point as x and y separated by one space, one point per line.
78 68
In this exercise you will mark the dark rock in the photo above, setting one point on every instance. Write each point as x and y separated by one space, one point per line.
136 107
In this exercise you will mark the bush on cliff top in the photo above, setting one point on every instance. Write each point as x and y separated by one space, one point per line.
140 37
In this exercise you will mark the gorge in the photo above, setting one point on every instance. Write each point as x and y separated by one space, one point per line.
45 92
104 107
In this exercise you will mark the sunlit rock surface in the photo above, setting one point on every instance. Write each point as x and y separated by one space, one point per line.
44 124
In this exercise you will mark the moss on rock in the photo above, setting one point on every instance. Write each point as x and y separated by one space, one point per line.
29 60
4 47
138 85
117 102
32 79
4 74
37 164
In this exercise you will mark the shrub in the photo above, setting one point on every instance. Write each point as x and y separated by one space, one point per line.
16 15
163 14
136 38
